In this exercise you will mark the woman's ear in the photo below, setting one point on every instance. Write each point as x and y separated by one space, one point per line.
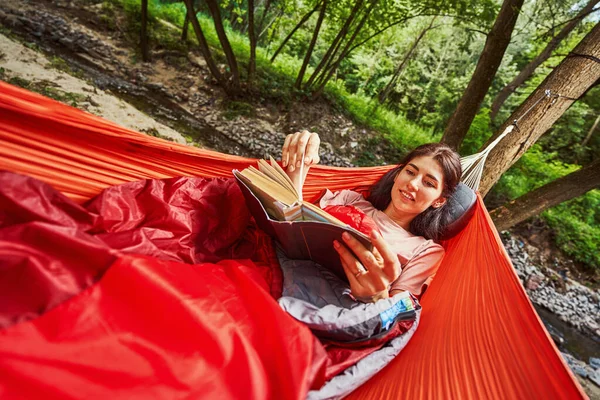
439 202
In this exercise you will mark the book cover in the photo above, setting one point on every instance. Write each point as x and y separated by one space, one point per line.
308 236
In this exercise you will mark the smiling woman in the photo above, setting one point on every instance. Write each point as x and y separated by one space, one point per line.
406 205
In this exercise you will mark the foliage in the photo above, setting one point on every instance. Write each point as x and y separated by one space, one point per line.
428 89
234 109
576 224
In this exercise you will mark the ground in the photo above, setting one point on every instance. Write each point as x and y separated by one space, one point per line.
79 53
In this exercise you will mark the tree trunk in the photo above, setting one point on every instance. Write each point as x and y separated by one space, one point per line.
298 25
577 72
215 12
336 42
568 187
210 62
328 72
259 26
252 37
144 32
311 46
536 62
493 51
589 135
388 88
186 23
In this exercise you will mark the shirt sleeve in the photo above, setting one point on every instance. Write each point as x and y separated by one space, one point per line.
341 198
418 273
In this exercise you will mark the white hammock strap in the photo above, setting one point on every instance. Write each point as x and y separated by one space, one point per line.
472 165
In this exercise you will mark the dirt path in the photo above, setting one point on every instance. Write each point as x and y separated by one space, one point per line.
32 69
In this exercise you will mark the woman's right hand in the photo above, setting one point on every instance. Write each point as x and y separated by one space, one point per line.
297 144
372 273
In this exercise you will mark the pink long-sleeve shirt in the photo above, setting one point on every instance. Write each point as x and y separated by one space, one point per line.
419 257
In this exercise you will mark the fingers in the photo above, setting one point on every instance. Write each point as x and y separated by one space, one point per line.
349 263
312 149
369 259
296 146
391 265
285 153
348 260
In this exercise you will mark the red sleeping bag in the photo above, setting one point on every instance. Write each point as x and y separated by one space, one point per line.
156 288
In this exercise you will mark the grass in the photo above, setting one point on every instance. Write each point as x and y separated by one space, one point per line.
154 132
61 65
275 81
233 109
576 223
48 89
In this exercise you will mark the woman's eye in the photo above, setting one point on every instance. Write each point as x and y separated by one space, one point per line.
408 171
430 184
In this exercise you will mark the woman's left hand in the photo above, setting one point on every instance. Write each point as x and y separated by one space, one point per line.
370 275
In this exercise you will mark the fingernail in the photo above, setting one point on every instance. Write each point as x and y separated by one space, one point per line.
374 234
284 163
298 163
291 168
336 244
307 160
346 235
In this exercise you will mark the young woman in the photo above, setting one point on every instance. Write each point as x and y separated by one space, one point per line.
406 204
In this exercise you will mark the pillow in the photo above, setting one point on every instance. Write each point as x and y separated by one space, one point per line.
462 208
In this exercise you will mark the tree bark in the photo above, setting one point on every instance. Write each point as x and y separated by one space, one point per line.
186 23
336 42
578 71
487 66
298 25
144 32
589 135
259 26
210 62
311 46
328 72
215 12
568 187
388 88
528 70
252 38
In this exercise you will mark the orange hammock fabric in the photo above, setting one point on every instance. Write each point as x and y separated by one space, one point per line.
479 335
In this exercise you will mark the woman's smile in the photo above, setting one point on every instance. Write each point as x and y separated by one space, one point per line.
416 187
407 196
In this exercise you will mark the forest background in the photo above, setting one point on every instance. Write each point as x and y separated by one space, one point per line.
405 68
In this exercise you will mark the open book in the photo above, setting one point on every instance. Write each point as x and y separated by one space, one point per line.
303 229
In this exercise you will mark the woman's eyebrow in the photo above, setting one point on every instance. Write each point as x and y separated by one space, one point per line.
429 175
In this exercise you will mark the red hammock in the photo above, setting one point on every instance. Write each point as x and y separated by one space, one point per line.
479 335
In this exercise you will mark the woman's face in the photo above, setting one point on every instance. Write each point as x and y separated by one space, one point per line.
418 186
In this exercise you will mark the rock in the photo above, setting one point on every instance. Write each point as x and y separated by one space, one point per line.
534 282
581 371
65 42
595 377
595 362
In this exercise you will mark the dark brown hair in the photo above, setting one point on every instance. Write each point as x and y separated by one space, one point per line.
431 222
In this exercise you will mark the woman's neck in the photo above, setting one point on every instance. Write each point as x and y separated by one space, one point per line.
403 219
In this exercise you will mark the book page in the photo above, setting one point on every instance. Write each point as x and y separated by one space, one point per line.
266 191
274 174
285 176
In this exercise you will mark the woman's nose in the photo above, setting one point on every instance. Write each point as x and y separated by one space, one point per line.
413 185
